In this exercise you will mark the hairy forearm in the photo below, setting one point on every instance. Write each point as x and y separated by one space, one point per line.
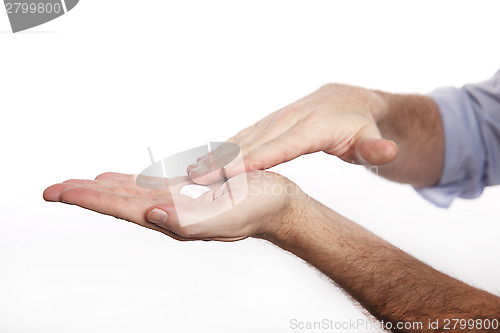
392 285
414 123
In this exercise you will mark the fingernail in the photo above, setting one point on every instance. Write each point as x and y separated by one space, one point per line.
157 216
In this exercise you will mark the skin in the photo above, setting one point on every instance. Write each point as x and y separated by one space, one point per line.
401 134
392 285
118 195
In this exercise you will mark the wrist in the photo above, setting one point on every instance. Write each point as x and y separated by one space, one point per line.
304 220
288 222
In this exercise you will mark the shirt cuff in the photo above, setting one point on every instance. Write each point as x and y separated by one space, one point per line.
464 151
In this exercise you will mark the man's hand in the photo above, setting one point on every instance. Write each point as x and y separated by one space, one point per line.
337 119
264 202
356 124
389 283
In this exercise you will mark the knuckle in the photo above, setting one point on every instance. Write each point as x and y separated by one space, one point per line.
288 113
104 175
245 146
70 193
328 86
314 118
71 181
234 139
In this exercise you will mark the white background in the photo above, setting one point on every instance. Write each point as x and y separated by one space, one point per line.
90 91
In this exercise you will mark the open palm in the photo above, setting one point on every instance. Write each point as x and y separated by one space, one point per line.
241 207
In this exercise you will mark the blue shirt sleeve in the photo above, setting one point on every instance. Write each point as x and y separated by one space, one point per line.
471 121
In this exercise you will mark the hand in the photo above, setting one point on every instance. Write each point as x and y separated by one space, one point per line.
336 119
250 204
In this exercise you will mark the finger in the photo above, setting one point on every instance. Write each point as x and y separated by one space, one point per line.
245 140
80 181
115 176
250 131
372 149
281 122
377 151
283 148
272 127
127 207
53 193
100 182
151 182
118 183
223 150
207 171
117 186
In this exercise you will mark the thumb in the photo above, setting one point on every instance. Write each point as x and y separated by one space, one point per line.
372 149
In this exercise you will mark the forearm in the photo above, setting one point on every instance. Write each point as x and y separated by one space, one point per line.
390 284
414 123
